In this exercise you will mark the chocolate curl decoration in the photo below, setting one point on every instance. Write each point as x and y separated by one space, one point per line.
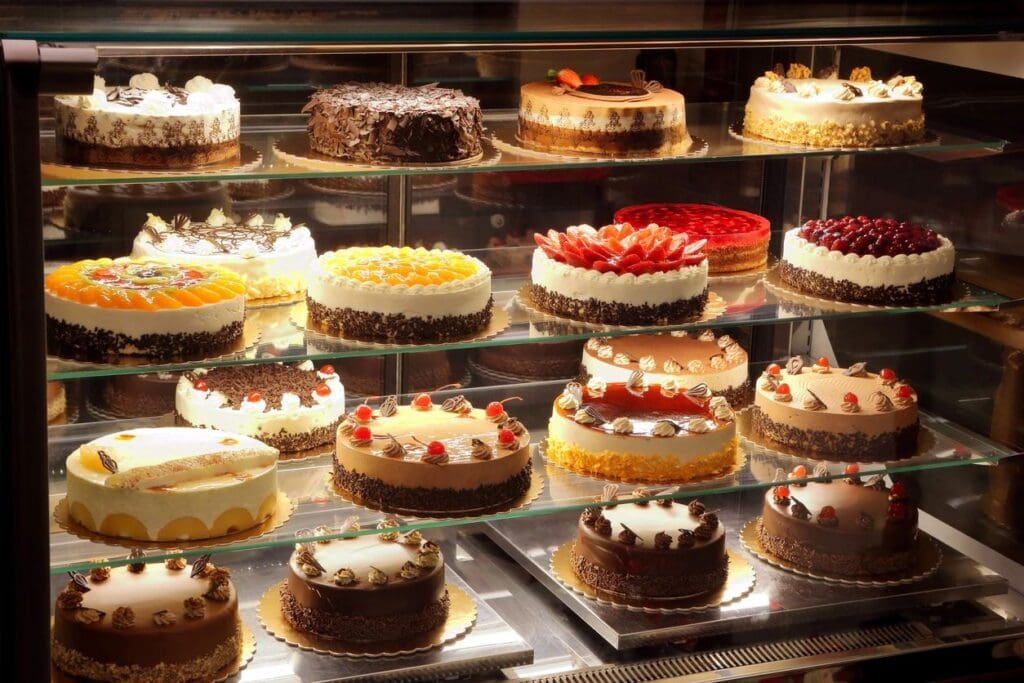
821 471
609 493
628 536
109 464
856 370
80 584
794 365
699 391
667 502
389 406
638 77
199 566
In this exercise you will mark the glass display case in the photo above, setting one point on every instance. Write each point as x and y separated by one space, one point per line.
382 402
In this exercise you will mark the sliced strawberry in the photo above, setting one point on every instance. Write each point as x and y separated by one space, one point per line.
641 267
602 266
627 260
590 79
657 252
614 245
693 259
552 253
635 248
672 264
694 247
569 78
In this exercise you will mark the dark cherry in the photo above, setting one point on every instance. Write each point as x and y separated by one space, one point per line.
865 236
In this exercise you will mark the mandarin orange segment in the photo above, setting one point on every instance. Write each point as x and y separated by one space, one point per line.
186 297
141 300
164 301
206 294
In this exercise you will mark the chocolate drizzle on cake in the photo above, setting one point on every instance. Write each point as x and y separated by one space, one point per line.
272 381
228 238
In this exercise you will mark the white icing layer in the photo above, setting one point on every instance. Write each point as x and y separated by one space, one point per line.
636 290
717 381
868 271
815 102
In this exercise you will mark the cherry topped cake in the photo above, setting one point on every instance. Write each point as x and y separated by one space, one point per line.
836 413
866 260
620 275
655 549
848 528
737 240
635 431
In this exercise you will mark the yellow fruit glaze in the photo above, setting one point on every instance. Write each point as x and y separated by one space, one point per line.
400 265
144 285
635 467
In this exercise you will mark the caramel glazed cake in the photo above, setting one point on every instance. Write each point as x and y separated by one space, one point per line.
373 588
382 122
656 549
289 407
147 623
836 413
148 124
424 458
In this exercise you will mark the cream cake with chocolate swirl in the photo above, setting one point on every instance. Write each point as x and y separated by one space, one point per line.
635 431
836 413
146 124
171 484
147 623
656 549
432 459
371 588
271 256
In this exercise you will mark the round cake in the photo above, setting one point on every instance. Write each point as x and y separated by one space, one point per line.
365 375
171 484
288 407
399 294
575 115
271 257
657 549
145 395
678 358
424 458
831 112
836 413
538 361
100 308
844 528
633 431
147 623
620 275
737 240
146 124
56 401
869 260
385 122
373 588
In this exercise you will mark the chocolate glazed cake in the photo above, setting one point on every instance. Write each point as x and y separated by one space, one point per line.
844 528
660 549
142 395
386 122
366 589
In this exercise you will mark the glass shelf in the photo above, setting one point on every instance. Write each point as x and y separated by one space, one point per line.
748 300
503 22
709 122
306 481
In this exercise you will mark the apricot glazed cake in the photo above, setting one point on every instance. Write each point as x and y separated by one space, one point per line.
171 484
632 431
836 413
620 275
737 240
148 124
828 111
153 308
399 294
869 260
582 115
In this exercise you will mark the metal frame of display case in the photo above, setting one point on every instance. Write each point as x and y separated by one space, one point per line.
29 70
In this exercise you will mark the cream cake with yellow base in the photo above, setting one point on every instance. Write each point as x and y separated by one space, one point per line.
171 484
632 431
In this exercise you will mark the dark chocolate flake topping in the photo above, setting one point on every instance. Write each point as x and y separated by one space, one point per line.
271 380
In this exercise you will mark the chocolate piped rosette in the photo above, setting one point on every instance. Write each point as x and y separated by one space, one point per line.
685 358
879 261
847 527
103 309
638 432
829 413
366 589
399 294
149 622
291 407
434 460
619 275
650 549
272 257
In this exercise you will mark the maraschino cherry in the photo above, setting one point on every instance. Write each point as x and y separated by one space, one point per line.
774 369
362 433
322 389
200 385
363 413
506 436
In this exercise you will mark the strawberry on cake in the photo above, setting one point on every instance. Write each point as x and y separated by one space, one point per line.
737 240
620 275
869 260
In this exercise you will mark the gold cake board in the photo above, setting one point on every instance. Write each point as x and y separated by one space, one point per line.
927 551
698 147
461 617
739 582
736 131
285 508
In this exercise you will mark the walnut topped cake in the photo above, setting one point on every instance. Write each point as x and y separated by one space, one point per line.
371 122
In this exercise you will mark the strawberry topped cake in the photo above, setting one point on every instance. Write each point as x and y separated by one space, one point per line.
737 240
620 275
869 260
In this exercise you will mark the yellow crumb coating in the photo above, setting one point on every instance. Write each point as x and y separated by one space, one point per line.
660 469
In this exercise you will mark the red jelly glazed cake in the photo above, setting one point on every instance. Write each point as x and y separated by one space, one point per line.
737 240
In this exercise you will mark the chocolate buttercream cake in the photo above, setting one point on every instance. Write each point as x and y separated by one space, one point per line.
371 122
144 395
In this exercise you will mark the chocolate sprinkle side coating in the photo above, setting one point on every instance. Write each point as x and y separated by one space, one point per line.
935 291
592 310
397 327
815 443
634 585
75 341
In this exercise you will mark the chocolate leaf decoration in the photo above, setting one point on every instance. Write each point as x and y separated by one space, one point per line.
821 471
698 391
857 92
816 398
80 583
596 416
451 405
855 370
389 406
180 221
109 464
788 86
794 365
199 566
